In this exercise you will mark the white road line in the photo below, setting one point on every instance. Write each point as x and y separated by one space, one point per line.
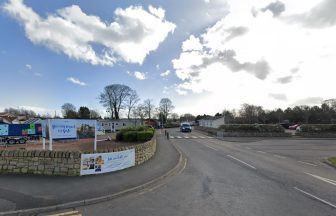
186 137
315 197
171 137
194 137
307 163
179 137
262 152
202 137
249 165
330 181
279 156
211 148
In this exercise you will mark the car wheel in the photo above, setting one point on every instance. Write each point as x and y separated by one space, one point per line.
22 141
11 142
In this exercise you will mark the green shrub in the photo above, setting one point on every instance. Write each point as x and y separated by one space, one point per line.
318 128
144 136
135 134
119 136
130 136
252 128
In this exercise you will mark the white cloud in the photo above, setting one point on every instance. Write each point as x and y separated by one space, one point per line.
137 74
246 58
166 73
192 43
133 34
76 81
28 66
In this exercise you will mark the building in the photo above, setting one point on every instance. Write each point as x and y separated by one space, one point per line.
213 122
8 118
117 124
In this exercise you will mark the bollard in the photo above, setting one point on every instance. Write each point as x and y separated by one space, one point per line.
167 135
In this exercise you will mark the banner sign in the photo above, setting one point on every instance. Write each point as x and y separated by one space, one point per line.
63 128
20 129
69 128
3 129
106 162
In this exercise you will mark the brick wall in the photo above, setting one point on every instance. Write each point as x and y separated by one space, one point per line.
65 163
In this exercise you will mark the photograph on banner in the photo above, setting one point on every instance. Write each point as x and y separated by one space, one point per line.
106 162
3 129
85 128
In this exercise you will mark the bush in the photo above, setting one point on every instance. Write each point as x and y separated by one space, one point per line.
130 136
318 128
119 136
135 134
144 136
252 128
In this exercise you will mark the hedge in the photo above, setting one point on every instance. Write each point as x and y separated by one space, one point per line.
318 128
252 128
138 134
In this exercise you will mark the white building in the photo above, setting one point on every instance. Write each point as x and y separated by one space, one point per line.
213 122
117 124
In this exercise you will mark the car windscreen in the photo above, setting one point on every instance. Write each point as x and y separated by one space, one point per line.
185 125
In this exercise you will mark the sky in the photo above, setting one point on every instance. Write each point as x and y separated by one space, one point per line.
205 55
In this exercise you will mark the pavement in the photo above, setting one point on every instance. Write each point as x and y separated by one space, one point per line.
25 192
254 177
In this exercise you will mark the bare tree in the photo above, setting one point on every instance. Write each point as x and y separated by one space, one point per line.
114 97
94 114
69 111
139 112
166 106
149 107
131 101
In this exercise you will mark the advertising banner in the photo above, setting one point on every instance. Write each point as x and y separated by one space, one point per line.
20 130
63 128
3 129
106 162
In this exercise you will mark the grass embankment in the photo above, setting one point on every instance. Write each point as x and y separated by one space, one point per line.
332 161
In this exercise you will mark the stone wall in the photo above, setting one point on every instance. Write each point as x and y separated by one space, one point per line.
316 135
41 162
249 134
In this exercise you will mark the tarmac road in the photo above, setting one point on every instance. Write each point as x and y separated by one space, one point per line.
240 177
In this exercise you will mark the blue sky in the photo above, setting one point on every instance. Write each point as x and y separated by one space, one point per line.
219 53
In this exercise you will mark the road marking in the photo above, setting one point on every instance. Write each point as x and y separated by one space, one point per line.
179 137
247 147
70 213
315 197
171 137
307 163
186 137
249 165
330 181
194 137
279 156
262 152
211 148
202 137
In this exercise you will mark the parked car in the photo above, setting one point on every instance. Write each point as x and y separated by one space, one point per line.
185 127
293 127
14 140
